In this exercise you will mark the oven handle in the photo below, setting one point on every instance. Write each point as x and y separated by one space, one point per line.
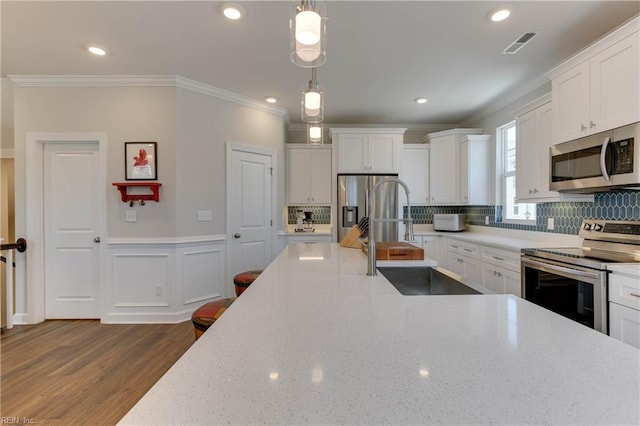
550 267
603 158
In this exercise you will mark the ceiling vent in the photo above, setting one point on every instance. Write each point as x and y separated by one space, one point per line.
518 44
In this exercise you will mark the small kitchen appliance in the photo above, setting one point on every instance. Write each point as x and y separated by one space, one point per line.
573 281
307 222
449 222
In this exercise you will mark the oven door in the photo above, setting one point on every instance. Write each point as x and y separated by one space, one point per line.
572 291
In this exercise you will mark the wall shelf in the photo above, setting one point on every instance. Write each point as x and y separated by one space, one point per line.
123 186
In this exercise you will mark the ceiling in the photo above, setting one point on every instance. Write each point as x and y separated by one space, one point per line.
381 55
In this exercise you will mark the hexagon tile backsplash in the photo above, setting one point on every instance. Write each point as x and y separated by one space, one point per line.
618 205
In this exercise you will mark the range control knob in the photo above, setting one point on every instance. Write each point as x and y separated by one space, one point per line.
597 227
586 226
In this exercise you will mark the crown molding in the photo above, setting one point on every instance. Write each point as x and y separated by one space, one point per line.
143 81
216 92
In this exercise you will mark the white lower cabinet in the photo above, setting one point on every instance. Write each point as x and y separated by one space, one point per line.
309 238
463 259
500 280
431 247
624 308
501 270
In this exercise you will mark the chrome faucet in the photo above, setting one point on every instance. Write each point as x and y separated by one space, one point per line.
408 230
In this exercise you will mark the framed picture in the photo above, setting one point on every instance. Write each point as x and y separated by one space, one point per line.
140 161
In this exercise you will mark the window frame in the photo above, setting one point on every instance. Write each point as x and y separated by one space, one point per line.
503 175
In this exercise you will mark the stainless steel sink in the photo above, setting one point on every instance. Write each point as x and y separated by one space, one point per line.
420 281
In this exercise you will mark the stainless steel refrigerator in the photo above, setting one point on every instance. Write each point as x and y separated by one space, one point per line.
352 204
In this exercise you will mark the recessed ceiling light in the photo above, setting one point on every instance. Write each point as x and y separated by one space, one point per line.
420 100
500 15
271 99
232 11
97 49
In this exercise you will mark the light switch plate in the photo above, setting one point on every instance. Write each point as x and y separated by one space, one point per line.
132 216
204 215
550 223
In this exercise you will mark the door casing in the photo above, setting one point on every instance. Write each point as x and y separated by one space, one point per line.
230 147
30 300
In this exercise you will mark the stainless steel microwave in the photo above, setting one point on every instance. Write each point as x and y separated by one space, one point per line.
600 162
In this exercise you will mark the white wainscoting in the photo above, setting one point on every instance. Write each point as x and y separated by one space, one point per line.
162 280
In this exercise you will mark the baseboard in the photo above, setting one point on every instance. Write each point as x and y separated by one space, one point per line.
148 317
20 319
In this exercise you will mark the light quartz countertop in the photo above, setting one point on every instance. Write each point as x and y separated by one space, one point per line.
507 239
320 342
632 269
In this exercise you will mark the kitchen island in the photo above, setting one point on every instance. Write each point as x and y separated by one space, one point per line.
316 341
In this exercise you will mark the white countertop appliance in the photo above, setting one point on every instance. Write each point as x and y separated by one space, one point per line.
449 222
573 281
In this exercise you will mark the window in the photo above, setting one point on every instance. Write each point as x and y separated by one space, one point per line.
512 212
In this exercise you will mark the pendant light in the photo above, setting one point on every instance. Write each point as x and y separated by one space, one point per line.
314 134
312 104
308 33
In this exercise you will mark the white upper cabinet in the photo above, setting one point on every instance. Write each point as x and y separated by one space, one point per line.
459 167
598 89
415 173
533 139
309 175
368 150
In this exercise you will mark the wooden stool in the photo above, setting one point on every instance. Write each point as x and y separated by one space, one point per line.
207 314
244 280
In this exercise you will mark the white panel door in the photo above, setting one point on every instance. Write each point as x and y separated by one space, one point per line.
71 223
415 173
250 218
382 154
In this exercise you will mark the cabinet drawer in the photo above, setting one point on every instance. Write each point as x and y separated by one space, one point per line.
507 259
624 290
464 248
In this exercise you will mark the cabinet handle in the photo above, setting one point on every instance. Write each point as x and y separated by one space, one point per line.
497 258
467 250
535 190
583 128
530 191
634 295
592 124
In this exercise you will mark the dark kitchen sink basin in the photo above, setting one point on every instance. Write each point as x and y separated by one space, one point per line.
420 281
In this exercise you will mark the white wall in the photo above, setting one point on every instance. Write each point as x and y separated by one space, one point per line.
124 114
204 125
191 130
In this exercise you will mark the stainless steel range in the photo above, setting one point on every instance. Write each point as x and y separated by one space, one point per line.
572 281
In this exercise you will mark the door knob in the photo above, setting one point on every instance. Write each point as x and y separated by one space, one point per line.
96 240
236 235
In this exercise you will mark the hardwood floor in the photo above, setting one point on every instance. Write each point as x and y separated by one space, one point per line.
83 372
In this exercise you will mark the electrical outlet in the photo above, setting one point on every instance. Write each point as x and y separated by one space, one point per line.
550 223
486 220
158 289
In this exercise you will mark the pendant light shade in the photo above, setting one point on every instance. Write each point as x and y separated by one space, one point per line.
312 101
308 34
314 134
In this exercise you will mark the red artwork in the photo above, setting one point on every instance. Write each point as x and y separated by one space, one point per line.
141 158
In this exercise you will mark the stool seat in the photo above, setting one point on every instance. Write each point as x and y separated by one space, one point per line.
245 279
207 314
